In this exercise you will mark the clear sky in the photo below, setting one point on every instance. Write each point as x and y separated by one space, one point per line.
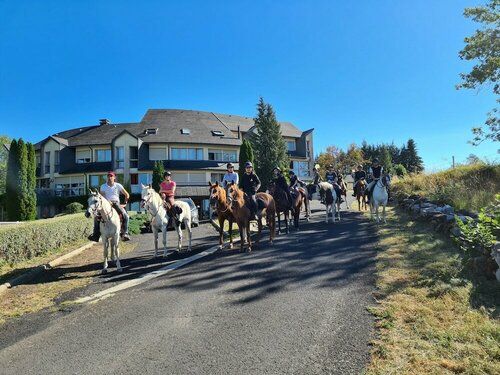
380 70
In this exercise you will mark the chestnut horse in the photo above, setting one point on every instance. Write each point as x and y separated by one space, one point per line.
241 214
360 194
219 202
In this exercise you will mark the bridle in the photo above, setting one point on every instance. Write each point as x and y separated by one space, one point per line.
99 206
217 199
147 206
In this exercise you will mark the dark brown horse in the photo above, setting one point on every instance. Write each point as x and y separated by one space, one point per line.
241 214
343 189
218 202
359 192
299 198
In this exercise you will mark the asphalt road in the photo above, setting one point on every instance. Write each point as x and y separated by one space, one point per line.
296 307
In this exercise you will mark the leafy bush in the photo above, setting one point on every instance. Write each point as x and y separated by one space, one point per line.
136 222
74 208
478 238
26 240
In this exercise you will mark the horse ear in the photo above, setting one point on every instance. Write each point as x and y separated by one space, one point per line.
149 186
90 191
143 186
209 184
216 183
232 183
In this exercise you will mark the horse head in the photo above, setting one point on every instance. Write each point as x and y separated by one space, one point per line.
312 189
271 187
94 203
147 194
217 194
386 181
234 194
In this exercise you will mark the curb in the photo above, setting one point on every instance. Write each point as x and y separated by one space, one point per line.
40 269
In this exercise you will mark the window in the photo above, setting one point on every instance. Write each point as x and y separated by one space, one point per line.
217 133
69 189
308 149
145 178
301 168
134 179
157 153
290 145
192 178
38 162
214 177
185 131
102 155
82 156
133 157
43 183
186 153
120 157
47 162
96 181
221 155
56 161
151 131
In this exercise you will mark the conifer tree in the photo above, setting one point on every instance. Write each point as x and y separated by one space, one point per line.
246 154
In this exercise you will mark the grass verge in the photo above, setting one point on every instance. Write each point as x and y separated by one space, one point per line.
431 318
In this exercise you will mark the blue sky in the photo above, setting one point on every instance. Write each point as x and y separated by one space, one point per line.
378 70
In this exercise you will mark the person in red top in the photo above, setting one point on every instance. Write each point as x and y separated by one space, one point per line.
167 192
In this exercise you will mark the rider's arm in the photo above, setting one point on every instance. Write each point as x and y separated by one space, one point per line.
258 183
125 192
237 179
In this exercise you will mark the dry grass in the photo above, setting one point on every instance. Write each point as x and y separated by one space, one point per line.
425 321
469 187
45 291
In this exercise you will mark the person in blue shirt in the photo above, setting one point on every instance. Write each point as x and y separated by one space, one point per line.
230 176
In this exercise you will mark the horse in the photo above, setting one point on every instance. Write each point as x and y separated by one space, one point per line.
282 205
241 213
359 192
305 201
379 197
218 202
326 190
109 226
153 203
343 189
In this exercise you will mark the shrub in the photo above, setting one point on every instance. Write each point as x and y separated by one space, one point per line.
30 239
136 222
74 208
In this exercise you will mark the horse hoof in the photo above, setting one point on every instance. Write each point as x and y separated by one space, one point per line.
219 247
230 245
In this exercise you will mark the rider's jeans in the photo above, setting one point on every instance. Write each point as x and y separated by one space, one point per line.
124 213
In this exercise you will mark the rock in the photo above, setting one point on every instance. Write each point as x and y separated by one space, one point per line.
408 202
450 218
495 254
447 209
455 231
483 266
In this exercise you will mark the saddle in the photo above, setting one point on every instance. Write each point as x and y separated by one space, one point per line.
120 215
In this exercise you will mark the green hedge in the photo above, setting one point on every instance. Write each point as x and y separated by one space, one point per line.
27 240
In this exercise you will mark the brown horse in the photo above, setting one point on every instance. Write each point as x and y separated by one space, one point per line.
359 192
343 189
241 214
219 203
282 205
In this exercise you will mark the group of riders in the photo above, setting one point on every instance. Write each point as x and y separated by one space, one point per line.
250 184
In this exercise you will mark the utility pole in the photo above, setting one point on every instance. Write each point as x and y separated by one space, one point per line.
453 163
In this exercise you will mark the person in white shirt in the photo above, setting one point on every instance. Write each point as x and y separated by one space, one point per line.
230 176
111 191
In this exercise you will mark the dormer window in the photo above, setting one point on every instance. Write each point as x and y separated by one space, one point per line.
217 133
151 131
185 131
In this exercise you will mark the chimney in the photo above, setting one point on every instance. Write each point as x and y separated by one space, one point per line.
104 121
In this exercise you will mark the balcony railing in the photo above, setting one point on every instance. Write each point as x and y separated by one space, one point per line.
67 192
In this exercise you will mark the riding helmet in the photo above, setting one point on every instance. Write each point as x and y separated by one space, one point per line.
248 164
230 165
167 173
291 171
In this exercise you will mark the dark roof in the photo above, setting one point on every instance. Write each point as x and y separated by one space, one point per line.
169 122
186 164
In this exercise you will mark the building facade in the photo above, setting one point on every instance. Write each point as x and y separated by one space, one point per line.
194 145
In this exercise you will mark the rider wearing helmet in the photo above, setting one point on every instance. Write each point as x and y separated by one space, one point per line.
316 175
230 176
250 183
359 175
375 172
281 183
167 192
295 182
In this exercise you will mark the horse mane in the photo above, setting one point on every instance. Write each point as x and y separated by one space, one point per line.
222 193
240 195
156 197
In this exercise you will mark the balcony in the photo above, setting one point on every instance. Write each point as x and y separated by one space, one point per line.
66 192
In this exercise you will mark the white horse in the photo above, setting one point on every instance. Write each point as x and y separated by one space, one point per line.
110 226
379 197
153 203
326 190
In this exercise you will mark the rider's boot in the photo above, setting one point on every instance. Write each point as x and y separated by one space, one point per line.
96 232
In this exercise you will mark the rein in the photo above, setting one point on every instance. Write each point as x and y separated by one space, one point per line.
106 216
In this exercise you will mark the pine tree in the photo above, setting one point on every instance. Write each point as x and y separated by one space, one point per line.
246 154
414 162
31 182
268 143
385 158
12 193
4 156
158 171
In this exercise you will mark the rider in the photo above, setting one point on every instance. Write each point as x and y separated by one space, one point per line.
295 182
111 191
316 176
230 176
280 182
167 192
331 177
250 183
359 175
375 172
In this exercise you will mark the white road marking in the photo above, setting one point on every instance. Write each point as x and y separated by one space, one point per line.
146 277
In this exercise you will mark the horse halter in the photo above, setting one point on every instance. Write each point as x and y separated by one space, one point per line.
215 197
146 203
96 208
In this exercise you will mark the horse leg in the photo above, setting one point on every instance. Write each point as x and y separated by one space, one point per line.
241 227
114 244
338 211
187 223
376 212
249 236
230 233
271 225
105 254
279 222
221 232
155 236
383 213
179 237
287 218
